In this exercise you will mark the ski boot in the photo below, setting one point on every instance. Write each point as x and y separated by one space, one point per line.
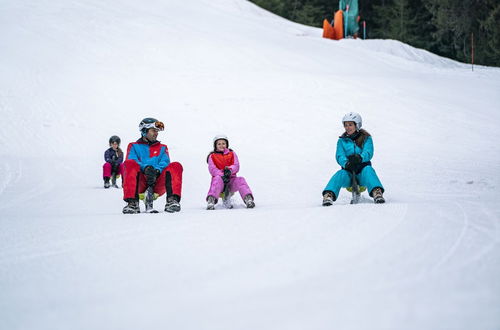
113 182
132 206
328 198
106 182
211 203
377 195
249 201
172 204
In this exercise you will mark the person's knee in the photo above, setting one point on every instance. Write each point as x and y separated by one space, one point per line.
130 164
175 166
217 180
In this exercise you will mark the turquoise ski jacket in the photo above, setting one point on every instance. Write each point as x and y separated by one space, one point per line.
347 147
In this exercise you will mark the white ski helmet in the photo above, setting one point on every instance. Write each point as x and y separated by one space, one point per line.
221 137
355 117
148 123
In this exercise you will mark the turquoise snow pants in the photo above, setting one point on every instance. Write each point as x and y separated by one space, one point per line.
342 179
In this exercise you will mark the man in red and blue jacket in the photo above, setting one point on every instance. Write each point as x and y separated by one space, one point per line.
148 165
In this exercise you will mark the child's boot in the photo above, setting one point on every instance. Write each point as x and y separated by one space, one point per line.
249 201
328 198
132 206
211 203
378 197
106 182
173 204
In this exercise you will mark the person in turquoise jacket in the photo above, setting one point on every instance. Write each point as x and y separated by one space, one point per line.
350 10
354 154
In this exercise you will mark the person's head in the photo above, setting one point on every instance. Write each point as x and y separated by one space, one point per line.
221 142
149 128
114 142
352 122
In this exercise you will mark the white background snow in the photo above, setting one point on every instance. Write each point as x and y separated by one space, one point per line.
73 73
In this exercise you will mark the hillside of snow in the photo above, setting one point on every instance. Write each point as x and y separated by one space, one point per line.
73 73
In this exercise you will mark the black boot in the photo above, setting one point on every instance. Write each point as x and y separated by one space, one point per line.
248 200
328 198
211 203
173 204
378 196
132 206
106 182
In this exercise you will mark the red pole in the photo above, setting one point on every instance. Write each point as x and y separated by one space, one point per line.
472 49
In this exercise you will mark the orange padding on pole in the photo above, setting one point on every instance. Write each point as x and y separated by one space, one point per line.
335 32
328 31
338 25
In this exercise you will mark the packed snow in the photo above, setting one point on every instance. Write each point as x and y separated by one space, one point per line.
73 73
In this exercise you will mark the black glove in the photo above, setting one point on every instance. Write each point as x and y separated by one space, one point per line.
151 174
355 159
227 175
350 166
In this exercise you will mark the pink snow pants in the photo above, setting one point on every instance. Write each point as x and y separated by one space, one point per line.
236 183
106 170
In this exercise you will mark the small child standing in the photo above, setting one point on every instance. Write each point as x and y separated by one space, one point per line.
223 165
354 154
113 167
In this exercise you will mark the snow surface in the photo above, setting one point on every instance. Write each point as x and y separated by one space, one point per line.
73 73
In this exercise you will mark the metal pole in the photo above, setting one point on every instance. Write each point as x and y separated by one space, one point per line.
472 49
346 19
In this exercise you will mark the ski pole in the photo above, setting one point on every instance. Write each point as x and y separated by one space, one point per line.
346 19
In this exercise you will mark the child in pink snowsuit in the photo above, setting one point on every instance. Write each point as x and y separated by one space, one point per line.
223 165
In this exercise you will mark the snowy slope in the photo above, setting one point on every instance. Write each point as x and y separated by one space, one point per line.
74 73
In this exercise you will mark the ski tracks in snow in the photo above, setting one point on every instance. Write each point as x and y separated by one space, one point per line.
482 224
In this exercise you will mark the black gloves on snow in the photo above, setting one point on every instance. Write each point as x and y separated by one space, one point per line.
151 174
227 175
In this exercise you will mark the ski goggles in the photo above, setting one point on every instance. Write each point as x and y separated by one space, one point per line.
158 125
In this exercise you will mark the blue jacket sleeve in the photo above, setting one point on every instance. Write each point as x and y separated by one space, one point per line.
340 154
133 155
367 152
164 159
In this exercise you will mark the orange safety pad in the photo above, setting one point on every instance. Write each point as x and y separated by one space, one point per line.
338 25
